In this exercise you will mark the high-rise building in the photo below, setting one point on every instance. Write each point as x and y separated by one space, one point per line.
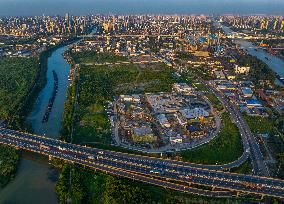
67 16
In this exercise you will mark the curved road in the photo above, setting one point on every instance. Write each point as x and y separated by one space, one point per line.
230 165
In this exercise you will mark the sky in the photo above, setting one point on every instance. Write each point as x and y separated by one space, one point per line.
82 7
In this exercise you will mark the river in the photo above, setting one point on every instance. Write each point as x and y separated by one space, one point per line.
274 63
35 179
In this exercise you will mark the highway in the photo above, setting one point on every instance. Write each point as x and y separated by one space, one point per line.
167 173
173 35
249 142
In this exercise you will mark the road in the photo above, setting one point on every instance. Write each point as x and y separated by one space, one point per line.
169 147
249 142
231 36
182 147
167 173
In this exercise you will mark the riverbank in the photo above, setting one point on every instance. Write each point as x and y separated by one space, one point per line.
17 77
9 158
35 82
41 79
25 183
274 63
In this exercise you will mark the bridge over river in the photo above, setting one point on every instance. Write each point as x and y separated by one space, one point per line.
170 174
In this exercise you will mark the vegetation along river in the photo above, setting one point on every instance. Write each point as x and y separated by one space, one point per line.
35 179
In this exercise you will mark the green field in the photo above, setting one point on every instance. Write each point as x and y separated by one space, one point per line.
98 85
93 57
226 147
215 101
245 168
259 124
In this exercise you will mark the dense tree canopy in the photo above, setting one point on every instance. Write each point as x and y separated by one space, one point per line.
17 76
8 163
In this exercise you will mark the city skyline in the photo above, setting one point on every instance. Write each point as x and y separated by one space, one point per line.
141 101
32 7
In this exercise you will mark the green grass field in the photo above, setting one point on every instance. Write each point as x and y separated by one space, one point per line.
226 147
259 124
93 57
99 84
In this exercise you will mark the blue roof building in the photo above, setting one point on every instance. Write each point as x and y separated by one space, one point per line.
253 102
247 92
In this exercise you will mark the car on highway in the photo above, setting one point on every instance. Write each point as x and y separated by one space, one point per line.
156 171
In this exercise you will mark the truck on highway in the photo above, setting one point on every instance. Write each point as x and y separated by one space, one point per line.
252 185
44 147
92 156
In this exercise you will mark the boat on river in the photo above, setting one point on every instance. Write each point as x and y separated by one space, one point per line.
52 98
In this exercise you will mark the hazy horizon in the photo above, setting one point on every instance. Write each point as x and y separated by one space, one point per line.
60 7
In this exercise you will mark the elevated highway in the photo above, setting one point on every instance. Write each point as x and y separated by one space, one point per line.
166 173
